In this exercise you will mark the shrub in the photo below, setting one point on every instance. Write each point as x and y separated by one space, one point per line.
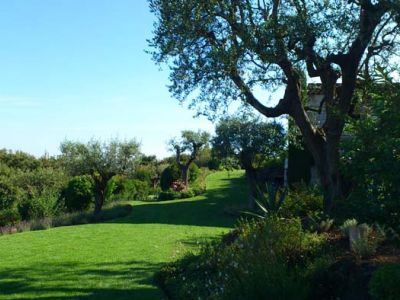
199 190
173 173
8 193
46 204
384 283
142 189
79 193
9 216
302 200
187 194
267 259
124 188
169 175
366 244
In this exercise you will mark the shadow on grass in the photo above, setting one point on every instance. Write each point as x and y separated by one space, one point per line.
205 210
70 281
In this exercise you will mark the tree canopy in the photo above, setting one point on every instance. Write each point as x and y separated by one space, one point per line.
101 161
220 51
187 148
251 141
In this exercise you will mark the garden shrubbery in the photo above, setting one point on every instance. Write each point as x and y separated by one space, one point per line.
78 194
385 283
172 174
268 259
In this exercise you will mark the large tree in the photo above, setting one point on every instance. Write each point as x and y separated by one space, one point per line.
187 148
253 142
101 161
223 50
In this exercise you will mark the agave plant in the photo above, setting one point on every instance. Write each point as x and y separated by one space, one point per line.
269 200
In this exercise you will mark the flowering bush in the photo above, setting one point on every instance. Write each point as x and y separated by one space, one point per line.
178 186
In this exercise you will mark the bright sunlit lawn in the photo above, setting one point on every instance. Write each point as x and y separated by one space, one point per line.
117 259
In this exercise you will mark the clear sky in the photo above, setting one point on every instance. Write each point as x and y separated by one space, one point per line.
76 69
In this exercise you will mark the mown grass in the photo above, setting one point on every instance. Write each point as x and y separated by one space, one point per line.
117 259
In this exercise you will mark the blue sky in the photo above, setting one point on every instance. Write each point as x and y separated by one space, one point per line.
76 69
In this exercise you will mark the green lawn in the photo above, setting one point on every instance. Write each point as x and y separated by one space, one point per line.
117 259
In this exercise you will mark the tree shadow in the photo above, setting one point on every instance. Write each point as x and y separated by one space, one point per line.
204 210
122 280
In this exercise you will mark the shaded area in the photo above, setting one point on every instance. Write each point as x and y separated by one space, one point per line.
62 281
205 210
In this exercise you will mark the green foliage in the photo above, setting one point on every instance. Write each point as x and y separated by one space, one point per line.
173 173
268 259
318 221
9 193
45 204
142 189
169 175
373 168
251 141
39 192
79 193
114 157
9 216
302 201
365 246
19 160
384 283
171 194
145 173
101 161
124 188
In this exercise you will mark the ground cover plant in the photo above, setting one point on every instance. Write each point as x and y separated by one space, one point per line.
116 259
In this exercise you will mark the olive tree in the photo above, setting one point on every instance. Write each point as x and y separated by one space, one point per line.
101 161
252 142
186 149
223 50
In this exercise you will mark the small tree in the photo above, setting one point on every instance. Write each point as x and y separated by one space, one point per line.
252 142
101 161
187 149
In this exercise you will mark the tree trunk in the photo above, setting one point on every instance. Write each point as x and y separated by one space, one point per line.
251 176
185 175
99 195
99 201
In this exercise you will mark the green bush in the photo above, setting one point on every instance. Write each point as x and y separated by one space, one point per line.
187 194
171 194
8 193
372 169
385 283
124 188
169 175
46 204
142 189
268 259
79 193
199 190
301 201
173 173
9 216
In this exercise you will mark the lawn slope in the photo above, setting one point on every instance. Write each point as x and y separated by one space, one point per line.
117 259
